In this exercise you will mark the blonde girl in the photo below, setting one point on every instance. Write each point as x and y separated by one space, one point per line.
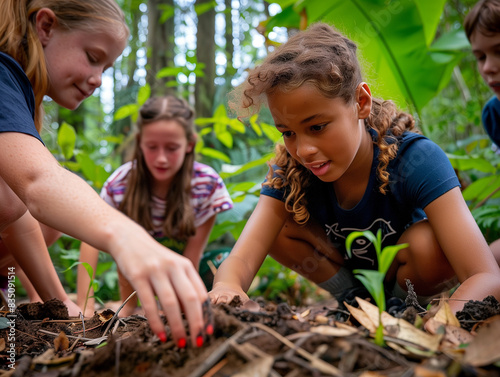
60 48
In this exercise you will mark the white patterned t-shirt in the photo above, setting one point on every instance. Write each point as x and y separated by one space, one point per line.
209 196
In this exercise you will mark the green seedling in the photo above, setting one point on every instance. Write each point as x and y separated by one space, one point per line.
90 272
373 280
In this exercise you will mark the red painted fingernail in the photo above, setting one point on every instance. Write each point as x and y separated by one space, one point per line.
199 341
181 343
210 329
163 337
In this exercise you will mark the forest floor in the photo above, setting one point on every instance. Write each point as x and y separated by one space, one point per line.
257 339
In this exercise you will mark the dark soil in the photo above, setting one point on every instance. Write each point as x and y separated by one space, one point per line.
264 338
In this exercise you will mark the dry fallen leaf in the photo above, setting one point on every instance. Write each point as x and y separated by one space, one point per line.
399 328
452 334
445 315
61 343
334 331
362 318
485 347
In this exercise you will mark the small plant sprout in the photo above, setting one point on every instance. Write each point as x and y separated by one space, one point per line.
90 272
373 280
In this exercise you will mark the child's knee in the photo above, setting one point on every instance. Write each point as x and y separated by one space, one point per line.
423 262
495 249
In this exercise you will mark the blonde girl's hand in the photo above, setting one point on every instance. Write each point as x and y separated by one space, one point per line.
224 294
176 283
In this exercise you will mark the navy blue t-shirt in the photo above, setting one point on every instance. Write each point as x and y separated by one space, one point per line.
17 100
491 119
419 174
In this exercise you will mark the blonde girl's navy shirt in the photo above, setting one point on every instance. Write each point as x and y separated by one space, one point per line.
419 174
17 100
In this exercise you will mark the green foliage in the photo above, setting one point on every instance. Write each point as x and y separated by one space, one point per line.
397 41
373 280
278 283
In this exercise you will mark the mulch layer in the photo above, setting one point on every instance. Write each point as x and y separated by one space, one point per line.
257 339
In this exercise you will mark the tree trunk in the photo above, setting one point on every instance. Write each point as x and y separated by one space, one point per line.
160 44
229 40
205 53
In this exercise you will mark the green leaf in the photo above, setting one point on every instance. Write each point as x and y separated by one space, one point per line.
253 123
168 72
366 233
271 132
454 40
236 125
225 138
125 111
143 95
394 39
387 256
4 323
213 153
249 165
66 138
205 7
481 188
373 281
95 173
168 12
463 163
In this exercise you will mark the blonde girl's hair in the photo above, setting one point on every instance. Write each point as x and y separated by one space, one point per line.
325 58
179 214
19 37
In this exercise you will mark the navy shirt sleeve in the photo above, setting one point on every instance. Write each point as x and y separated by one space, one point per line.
421 173
17 100
491 119
271 191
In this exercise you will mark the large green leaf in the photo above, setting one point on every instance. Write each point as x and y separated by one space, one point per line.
395 44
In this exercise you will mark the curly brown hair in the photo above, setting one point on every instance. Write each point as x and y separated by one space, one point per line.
179 214
324 57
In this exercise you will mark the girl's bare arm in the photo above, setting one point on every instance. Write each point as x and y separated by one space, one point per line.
197 243
465 247
65 202
237 272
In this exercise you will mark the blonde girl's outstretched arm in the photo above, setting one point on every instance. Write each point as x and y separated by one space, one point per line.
24 240
465 248
65 202
84 299
238 270
197 243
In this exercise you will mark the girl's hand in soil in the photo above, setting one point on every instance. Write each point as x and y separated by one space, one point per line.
224 294
173 279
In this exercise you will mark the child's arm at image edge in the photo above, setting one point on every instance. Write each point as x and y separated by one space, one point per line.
65 202
465 248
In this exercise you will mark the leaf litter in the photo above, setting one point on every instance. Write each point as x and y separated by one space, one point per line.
262 338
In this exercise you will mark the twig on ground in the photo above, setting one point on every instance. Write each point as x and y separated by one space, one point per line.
316 362
215 356
118 311
83 322
69 336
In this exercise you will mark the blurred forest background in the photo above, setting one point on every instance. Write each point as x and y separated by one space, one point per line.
413 51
